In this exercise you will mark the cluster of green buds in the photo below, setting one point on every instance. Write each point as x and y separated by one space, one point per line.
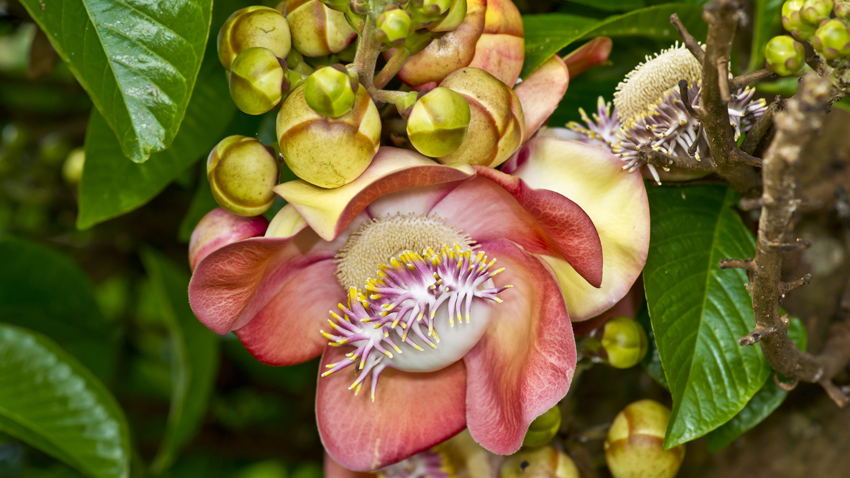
620 343
809 21
301 59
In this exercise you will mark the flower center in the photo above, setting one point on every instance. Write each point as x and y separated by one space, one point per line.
383 238
410 305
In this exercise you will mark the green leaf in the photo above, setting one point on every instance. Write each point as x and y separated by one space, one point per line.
194 357
651 361
112 186
765 402
138 61
45 291
698 311
767 20
546 35
53 403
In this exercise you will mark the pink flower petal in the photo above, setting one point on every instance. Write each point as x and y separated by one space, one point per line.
628 306
565 223
541 92
335 470
219 228
614 199
411 413
234 283
593 53
330 211
524 364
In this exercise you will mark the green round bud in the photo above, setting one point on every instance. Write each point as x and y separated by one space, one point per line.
72 170
330 92
624 342
543 429
793 21
816 11
317 30
426 12
242 172
256 81
393 26
634 447
784 56
539 462
842 9
263 469
438 122
250 27
338 5
456 15
832 40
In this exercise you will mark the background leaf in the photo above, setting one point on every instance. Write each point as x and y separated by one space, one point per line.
546 35
763 403
768 18
45 291
699 311
195 354
112 186
651 361
138 61
50 401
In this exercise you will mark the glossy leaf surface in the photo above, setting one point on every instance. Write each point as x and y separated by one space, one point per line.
138 61
699 311
50 401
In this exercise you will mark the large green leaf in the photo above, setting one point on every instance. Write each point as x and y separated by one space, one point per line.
52 402
698 311
546 35
765 402
194 357
112 186
137 59
766 24
45 291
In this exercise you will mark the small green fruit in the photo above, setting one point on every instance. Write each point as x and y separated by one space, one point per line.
784 56
543 429
456 15
793 21
634 447
317 30
256 81
438 122
425 12
72 169
242 172
330 91
338 5
624 342
393 26
539 463
842 9
816 11
832 40
250 27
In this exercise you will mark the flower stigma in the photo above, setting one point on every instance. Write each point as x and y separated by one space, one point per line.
414 300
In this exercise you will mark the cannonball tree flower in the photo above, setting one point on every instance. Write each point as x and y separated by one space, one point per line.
407 251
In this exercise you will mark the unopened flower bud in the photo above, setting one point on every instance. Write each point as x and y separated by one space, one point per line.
425 12
330 91
256 81
634 447
793 21
316 29
358 7
543 429
250 27
220 228
816 11
496 121
393 26
624 342
832 40
842 9
242 172
452 20
438 122
338 5
784 56
72 169
328 152
546 462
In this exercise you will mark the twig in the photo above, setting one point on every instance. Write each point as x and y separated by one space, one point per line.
762 126
741 81
690 42
392 67
664 160
697 113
